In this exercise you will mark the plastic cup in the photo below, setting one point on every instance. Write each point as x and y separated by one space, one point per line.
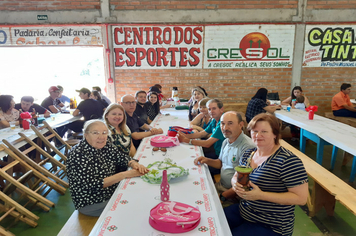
12 124
53 117
288 108
243 175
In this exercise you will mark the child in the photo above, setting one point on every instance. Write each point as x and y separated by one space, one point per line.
152 106
299 103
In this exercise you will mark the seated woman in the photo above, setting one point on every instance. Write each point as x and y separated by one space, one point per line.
258 104
296 91
120 134
198 93
96 96
152 106
8 112
277 183
202 120
95 167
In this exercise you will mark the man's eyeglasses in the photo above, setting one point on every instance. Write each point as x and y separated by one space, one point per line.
162 149
130 103
97 134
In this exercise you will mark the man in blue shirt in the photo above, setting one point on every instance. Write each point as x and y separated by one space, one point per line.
216 110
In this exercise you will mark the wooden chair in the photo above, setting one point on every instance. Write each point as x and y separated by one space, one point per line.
30 184
56 172
50 134
11 208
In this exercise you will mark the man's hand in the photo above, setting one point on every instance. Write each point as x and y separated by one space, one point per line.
182 137
156 131
200 160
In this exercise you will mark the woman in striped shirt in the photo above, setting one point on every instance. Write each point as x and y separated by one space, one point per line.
278 182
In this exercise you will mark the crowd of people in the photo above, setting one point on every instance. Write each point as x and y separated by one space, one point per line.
113 132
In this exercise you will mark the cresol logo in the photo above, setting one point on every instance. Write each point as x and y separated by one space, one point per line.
212 226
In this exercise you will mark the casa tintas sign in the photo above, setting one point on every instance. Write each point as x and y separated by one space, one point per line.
330 46
248 46
158 47
34 36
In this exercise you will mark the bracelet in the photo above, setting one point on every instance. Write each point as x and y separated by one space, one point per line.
190 141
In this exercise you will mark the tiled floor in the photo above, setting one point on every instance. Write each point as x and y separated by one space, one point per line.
343 223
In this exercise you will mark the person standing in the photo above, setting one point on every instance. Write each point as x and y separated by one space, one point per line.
341 104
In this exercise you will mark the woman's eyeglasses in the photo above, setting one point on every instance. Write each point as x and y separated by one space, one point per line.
97 134
162 149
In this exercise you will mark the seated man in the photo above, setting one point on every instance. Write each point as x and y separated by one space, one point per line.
97 88
341 104
134 123
64 99
27 105
141 110
215 108
233 147
52 103
89 108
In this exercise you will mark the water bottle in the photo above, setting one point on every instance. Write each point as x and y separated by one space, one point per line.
175 92
164 187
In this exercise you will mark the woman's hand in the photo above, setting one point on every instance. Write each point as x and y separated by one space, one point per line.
252 195
141 168
132 173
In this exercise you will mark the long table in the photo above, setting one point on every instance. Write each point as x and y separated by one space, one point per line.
323 131
127 212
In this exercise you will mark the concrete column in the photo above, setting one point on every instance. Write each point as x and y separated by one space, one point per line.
298 54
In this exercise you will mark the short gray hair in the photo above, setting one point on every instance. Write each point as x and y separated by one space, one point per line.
217 101
90 123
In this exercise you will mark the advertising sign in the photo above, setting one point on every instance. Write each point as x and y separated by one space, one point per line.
330 46
248 46
158 47
62 35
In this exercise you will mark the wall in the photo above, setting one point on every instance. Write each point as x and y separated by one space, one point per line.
42 5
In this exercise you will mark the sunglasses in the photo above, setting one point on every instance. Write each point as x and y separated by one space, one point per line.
162 149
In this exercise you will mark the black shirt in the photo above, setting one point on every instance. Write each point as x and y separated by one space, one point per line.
134 123
38 108
47 102
141 112
91 109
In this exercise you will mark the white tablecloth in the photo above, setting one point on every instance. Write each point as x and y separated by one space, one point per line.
341 135
128 211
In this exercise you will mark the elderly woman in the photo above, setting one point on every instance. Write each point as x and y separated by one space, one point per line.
202 120
95 167
198 93
8 112
258 104
120 136
278 182
296 91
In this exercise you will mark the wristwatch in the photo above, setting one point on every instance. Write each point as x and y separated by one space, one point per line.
222 198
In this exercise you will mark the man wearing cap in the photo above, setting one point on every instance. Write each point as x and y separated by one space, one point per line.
89 108
27 105
52 103
134 123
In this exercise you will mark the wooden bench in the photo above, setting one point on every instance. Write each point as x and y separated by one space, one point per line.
235 106
78 224
346 120
327 187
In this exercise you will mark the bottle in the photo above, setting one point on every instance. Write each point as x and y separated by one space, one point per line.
20 119
174 92
71 104
34 117
164 187
75 103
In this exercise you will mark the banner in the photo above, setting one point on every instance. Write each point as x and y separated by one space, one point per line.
39 36
330 46
248 46
158 47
